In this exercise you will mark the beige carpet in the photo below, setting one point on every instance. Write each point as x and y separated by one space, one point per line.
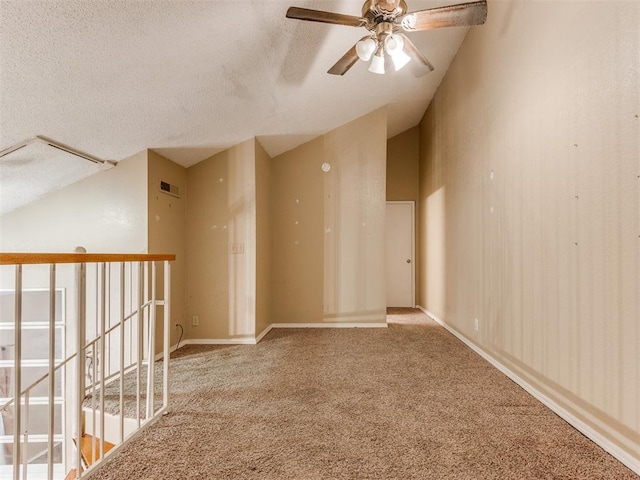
407 402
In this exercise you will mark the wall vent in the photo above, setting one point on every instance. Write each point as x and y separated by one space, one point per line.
169 189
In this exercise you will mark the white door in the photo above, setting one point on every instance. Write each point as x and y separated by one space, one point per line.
400 254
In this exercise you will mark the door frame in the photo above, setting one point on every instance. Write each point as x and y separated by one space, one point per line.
412 203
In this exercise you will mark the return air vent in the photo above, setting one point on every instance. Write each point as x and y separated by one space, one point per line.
169 189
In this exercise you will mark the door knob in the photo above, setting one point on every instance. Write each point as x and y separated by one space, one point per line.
408 260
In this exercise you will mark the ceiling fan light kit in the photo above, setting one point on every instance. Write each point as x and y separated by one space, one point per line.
365 48
394 45
377 64
387 20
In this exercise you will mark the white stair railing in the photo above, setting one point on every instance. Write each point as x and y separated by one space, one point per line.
113 349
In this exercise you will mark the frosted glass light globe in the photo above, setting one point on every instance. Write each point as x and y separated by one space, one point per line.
365 48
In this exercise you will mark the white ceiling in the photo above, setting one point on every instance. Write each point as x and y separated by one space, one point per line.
189 78
37 169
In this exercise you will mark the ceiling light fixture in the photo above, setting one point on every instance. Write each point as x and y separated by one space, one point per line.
365 48
387 22
377 48
377 64
394 46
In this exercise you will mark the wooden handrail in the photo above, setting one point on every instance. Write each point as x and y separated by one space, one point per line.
48 258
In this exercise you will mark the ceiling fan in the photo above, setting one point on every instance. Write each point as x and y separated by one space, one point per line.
387 20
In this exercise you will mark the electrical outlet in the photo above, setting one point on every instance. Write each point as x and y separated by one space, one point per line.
195 321
237 248
476 324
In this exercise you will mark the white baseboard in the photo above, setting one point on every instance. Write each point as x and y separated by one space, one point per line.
254 341
264 332
330 325
220 341
606 444
213 341
172 349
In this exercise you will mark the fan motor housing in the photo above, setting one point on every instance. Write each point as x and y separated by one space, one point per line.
377 11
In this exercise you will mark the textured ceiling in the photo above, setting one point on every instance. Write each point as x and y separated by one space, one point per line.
189 78
37 169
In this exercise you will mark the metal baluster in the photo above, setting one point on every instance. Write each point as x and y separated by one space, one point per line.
102 353
122 333
167 319
152 343
25 453
139 341
81 282
17 384
94 361
52 377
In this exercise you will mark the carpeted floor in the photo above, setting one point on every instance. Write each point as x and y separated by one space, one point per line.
407 402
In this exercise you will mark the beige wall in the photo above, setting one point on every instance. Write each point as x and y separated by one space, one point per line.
403 179
221 212
328 228
402 165
263 239
530 203
105 213
166 227
297 234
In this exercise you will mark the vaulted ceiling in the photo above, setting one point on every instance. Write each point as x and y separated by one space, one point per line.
189 78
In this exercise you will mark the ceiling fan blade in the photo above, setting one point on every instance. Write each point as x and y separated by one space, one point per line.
347 61
420 65
324 17
461 15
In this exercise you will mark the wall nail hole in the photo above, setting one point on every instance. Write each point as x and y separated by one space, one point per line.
575 243
577 197
575 144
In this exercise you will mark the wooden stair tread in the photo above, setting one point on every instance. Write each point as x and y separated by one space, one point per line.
71 475
89 452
